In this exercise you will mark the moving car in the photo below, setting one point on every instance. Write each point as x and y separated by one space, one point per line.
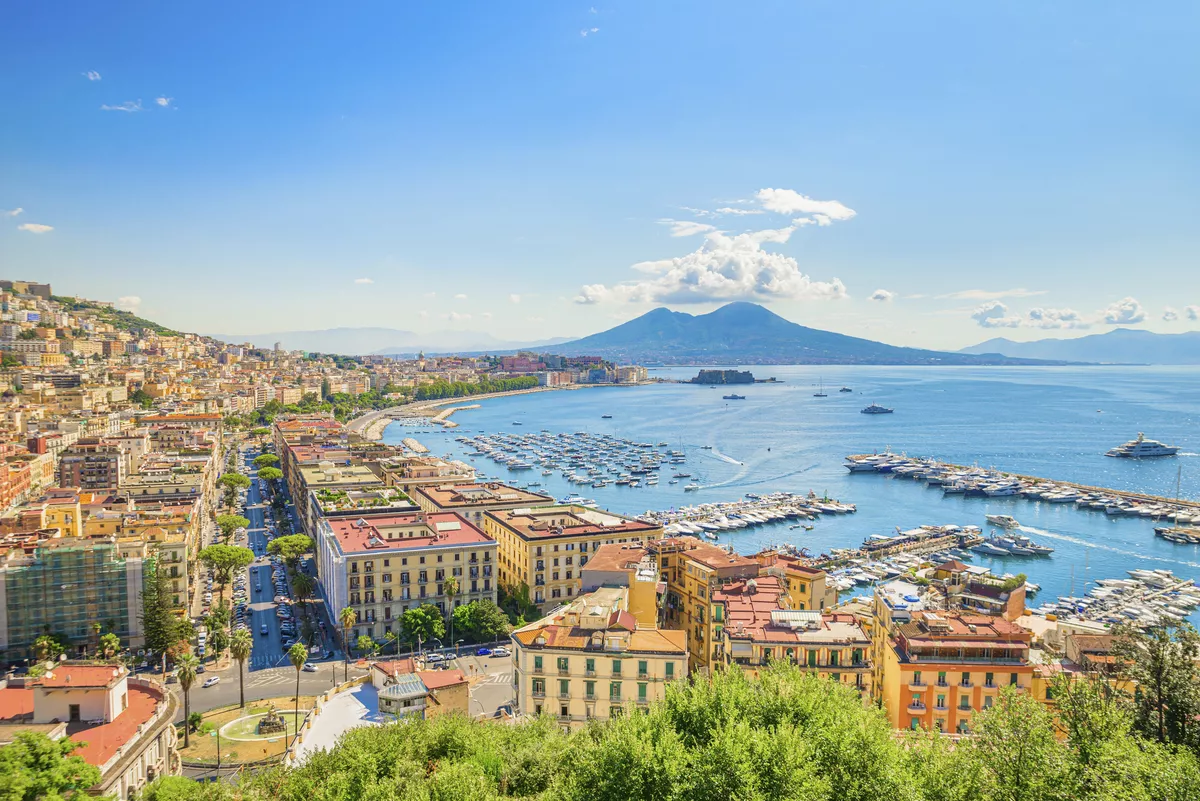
483 652
433 659
502 651
263 630
211 680
309 667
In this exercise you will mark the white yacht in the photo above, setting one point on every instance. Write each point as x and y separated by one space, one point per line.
1142 448
1004 521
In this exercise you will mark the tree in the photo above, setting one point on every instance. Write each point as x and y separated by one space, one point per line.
232 482
1162 663
347 618
186 673
110 645
291 548
270 474
158 609
218 641
48 647
481 621
303 586
297 655
34 767
231 523
265 460
240 646
423 623
225 560
1015 745
366 645
450 589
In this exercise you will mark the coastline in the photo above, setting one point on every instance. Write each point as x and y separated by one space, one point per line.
372 424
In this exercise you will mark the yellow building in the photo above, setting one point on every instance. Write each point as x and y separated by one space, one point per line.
542 550
694 570
473 501
591 658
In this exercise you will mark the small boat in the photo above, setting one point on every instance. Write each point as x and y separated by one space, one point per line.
1004 521
606 417
845 389
820 393
691 487
517 423
733 396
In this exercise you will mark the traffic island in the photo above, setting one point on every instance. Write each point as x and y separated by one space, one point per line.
242 739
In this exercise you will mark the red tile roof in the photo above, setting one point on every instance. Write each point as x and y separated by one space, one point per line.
437 530
104 740
81 676
441 679
15 703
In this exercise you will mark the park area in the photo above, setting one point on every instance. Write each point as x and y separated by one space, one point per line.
239 738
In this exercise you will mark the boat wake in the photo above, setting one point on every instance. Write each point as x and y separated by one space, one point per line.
1066 538
724 458
1187 454
736 482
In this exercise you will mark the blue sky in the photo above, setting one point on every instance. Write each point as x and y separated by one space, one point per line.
1015 169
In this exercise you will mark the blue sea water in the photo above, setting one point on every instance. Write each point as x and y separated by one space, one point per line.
1054 423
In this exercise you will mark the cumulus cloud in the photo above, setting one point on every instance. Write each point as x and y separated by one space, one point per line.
1192 312
456 316
724 268
1170 315
987 294
92 75
1056 318
11 212
364 281
460 296
789 201
1125 311
737 212
688 227
994 314
164 102
35 228
128 106
882 295
129 303
514 298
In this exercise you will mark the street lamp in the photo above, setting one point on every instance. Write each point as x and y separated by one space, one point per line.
457 651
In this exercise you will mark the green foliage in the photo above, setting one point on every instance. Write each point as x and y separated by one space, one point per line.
34 767
291 548
141 398
1162 662
234 481
460 389
425 622
225 560
1013 583
266 460
49 647
270 474
109 646
117 318
366 646
518 605
480 621
158 616
231 523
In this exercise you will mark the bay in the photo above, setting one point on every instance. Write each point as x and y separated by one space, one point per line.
1052 423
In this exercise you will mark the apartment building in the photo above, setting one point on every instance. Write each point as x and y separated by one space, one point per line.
935 670
543 549
326 481
92 465
406 473
383 565
693 571
472 501
805 586
593 657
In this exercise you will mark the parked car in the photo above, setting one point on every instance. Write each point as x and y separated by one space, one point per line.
483 652
211 680
434 659
501 651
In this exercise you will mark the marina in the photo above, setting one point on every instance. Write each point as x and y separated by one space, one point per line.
709 520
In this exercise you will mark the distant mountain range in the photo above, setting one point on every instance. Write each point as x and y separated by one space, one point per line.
747 333
381 341
1119 346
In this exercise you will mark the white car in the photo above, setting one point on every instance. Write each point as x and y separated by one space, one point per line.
309 667
211 680
501 651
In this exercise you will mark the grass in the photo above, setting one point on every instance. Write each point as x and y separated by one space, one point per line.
203 747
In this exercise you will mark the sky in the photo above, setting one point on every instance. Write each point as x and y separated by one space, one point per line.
924 173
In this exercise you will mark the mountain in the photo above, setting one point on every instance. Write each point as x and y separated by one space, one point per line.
382 341
750 334
1119 346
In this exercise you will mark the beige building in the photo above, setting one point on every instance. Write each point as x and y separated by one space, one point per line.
543 550
590 659
472 501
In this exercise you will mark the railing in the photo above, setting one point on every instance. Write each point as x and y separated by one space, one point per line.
916 708
539 693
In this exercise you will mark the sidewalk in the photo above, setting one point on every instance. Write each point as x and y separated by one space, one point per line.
345 711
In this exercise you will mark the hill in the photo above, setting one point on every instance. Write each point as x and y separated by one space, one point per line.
1119 346
380 341
750 334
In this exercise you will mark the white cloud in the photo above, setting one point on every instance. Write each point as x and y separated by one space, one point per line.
1170 315
1055 318
592 10
514 298
738 212
1192 312
1125 311
985 294
788 201
460 296
129 303
164 102
994 314
11 212
688 227
128 105
35 228
486 315
456 316
364 280
698 212
587 31
92 75
882 295
724 268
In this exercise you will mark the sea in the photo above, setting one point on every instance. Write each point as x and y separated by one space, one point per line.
1054 423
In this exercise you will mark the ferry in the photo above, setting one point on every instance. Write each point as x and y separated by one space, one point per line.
1142 448
875 408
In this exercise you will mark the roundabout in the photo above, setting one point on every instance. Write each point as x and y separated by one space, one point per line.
248 728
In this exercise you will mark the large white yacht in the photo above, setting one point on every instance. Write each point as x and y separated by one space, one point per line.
1142 448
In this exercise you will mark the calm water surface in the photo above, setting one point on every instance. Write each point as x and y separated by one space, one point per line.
1051 423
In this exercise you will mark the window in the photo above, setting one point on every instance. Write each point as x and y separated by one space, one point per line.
616 671
564 688
73 712
589 690
966 680
1012 678
987 702
643 668
941 678
539 686
964 701
812 658
537 663
941 702
915 724
916 677
563 664
989 680
833 658
642 691
670 666
614 691
590 667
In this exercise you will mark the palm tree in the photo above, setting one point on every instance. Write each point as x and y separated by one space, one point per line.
303 586
240 645
186 671
450 588
297 655
96 629
347 617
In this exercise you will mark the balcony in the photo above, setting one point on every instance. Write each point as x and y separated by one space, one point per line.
989 685
643 701
562 671
590 672
941 707
942 683
966 683
917 685
916 709
642 674
590 697
614 699
536 669
539 693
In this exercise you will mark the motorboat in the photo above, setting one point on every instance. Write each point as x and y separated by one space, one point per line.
875 408
1004 521
1142 448
845 389
733 396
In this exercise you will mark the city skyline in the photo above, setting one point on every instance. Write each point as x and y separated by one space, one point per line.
930 177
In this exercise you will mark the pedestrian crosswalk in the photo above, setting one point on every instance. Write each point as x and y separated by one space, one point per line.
268 678
504 677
